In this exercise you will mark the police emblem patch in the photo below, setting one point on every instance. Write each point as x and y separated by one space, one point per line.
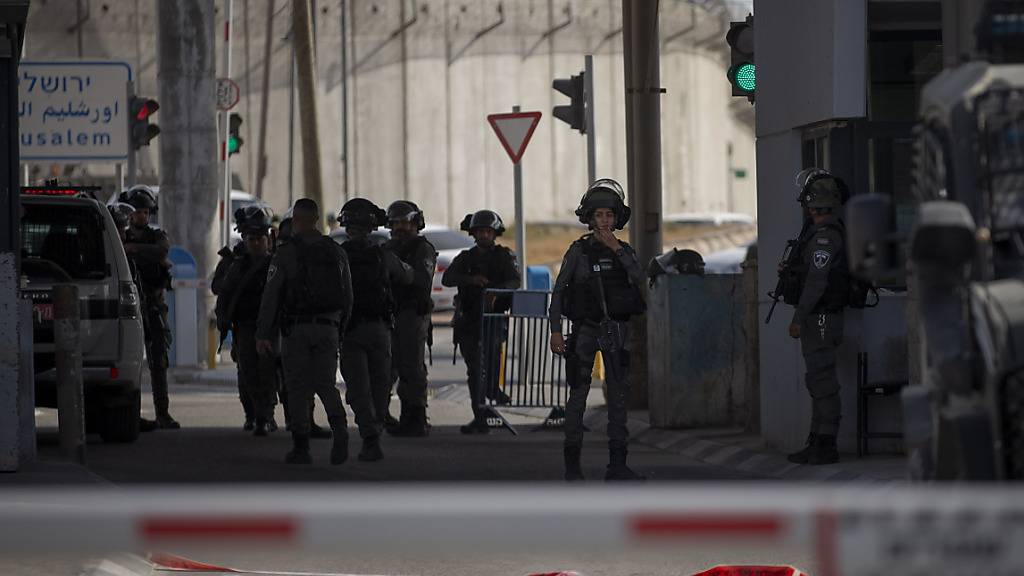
821 258
271 272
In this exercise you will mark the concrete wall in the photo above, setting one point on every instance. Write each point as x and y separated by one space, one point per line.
417 100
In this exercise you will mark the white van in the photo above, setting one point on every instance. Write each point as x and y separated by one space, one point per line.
68 237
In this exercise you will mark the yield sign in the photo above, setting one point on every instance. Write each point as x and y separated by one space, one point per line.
514 131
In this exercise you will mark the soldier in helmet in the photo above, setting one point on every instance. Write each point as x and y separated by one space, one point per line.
308 300
413 305
366 349
473 271
238 300
818 317
147 247
598 290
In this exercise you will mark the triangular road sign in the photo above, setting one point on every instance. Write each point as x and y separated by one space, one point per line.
514 131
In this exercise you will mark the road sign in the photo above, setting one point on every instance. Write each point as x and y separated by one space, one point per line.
73 111
228 94
514 131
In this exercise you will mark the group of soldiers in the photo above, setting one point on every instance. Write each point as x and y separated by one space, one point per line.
296 302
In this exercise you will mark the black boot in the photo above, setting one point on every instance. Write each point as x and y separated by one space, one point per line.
371 451
573 471
339 449
165 422
801 456
318 432
300 450
823 451
617 469
249 425
413 423
146 425
260 428
390 423
477 426
271 425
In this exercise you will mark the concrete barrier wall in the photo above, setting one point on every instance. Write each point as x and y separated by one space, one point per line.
417 100
698 358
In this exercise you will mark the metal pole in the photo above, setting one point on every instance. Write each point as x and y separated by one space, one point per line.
588 87
344 100
291 127
119 176
517 172
261 149
68 356
305 61
225 130
131 177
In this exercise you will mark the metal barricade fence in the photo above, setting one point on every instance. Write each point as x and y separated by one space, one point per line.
518 369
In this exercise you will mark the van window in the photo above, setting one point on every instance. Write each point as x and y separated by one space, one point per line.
449 240
69 236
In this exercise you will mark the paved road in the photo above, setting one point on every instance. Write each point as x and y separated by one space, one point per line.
211 447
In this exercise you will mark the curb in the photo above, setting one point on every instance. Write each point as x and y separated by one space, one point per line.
766 463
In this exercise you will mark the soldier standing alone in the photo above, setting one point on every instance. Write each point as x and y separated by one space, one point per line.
818 317
598 290
473 271
308 297
148 247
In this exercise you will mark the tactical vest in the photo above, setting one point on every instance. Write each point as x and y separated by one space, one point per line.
371 286
622 298
409 295
249 294
489 265
838 288
318 288
153 275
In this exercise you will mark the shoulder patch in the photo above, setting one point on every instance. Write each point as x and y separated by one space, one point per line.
271 272
821 259
824 241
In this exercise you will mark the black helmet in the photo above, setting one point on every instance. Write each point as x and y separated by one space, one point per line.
604 193
820 189
362 212
252 219
284 228
404 210
122 213
140 197
483 219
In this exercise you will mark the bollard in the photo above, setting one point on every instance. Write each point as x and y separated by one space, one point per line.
68 350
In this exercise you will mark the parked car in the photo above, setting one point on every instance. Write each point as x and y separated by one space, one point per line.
448 244
70 238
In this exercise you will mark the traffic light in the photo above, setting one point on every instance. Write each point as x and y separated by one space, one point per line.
575 113
234 139
742 72
142 131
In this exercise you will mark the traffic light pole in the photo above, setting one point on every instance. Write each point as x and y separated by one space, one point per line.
225 129
588 79
128 180
517 175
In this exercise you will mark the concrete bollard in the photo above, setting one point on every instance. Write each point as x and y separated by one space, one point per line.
68 350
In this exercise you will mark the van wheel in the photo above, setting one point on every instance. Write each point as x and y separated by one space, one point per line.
121 422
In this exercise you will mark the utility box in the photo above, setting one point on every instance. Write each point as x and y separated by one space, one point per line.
183 308
697 358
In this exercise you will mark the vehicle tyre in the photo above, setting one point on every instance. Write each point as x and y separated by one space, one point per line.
121 421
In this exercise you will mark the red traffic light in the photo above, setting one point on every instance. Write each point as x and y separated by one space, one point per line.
143 108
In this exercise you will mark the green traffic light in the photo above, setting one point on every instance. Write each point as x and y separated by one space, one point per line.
744 76
234 143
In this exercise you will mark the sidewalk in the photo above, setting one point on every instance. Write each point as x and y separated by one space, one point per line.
746 452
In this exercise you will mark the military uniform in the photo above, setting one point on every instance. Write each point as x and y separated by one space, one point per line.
412 323
820 317
240 293
148 248
294 303
366 350
227 257
575 289
498 265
